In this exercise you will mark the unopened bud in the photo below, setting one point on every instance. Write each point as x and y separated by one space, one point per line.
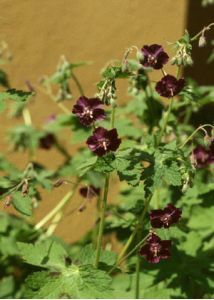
58 182
8 201
207 139
82 208
202 41
25 188
140 55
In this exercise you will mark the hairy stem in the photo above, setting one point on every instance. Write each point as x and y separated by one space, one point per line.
103 204
62 150
57 208
129 254
138 262
52 97
27 116
165 121
194 132
137 280
206 28
113 116
132 236
80 89
102 221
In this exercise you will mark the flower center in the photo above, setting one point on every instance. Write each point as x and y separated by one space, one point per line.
152 59
155 249
166 218
88 112
104 144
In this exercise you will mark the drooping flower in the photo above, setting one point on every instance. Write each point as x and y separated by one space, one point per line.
154 56
47 141
88 110
202 157
211 150
169 86
89 191
103 141
155 249
166 217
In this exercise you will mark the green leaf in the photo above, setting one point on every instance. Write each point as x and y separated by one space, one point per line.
22 203
15 95
192 243
46 254
172 174
7 286
5 183
129 165
4 222
87 256
86 166
74 283
201 220
105 164
4 79
24 137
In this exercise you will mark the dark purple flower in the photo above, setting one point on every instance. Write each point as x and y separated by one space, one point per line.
166 217
211 150
88 110
169 86
155 249
103 141
154 56
200 156
47 141
203 157
89 191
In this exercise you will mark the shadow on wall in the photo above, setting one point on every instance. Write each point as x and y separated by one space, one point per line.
198 17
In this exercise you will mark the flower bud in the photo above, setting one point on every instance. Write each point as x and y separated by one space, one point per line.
202 41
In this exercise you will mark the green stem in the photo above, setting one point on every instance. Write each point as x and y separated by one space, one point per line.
137 282
57 208
138 263
103 205
194 132
132 236
95 229
179 72
27 117
113 116
62 150
166 119
78 84
208 27
102 221
130 253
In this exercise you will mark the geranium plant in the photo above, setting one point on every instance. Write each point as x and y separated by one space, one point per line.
161 160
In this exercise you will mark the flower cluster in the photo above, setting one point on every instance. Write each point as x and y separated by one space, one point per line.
155 57
156 249
165 218
203 157
102 140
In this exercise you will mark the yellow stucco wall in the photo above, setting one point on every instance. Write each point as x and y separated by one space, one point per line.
39 31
